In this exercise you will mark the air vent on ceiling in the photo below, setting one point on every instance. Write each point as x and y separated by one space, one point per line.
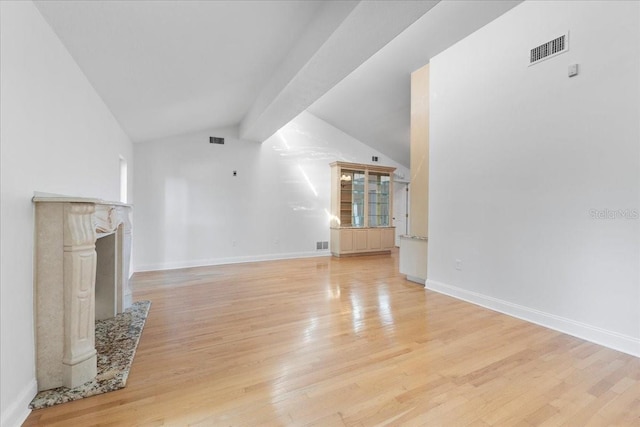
551 48
216 140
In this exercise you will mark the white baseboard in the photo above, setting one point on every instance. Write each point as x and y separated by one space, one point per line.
18 410
229 260
415 279
614 340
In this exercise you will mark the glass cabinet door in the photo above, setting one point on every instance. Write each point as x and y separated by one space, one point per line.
379 215
352 198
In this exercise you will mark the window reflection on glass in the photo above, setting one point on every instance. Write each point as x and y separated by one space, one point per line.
352 198
379 199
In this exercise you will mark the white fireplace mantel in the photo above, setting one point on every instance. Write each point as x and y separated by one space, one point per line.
82 249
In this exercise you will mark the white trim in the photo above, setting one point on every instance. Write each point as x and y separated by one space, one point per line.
230 260
18 410
614 340
415 279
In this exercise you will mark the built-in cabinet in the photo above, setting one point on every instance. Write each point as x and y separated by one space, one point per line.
361 209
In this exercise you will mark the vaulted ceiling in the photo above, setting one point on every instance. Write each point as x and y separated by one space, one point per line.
170 67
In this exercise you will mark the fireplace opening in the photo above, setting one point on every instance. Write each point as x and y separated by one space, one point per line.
106 288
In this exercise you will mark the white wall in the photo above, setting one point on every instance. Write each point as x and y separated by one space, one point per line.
56 136
521 155
190 210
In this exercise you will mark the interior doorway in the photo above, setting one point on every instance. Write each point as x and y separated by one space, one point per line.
401 208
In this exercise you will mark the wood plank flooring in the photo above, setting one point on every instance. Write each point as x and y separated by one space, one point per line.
347 342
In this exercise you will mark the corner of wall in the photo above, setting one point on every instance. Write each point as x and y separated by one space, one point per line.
18 410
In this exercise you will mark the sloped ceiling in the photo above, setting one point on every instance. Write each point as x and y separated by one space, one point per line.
372 104
171 67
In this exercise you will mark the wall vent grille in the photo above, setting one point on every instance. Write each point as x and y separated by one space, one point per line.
216 140
551 48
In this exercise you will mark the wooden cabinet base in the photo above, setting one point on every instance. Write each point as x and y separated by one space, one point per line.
350 254
362 241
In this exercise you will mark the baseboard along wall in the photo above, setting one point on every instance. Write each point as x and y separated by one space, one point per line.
610 339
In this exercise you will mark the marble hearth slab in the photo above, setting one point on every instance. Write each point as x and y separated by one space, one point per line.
116 342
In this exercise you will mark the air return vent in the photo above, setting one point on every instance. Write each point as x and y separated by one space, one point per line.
551 48
216 140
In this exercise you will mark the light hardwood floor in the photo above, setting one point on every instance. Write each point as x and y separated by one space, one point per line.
333 342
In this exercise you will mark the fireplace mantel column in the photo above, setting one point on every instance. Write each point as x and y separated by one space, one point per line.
69 266
79 259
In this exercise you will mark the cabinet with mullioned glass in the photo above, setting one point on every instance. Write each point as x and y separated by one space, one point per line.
361 209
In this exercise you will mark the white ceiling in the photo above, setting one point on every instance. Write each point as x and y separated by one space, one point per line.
168 67
171 67
372 104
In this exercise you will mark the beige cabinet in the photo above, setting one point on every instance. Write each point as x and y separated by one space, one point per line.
361 209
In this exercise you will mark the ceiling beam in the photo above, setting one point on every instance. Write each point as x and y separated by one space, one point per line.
344 36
